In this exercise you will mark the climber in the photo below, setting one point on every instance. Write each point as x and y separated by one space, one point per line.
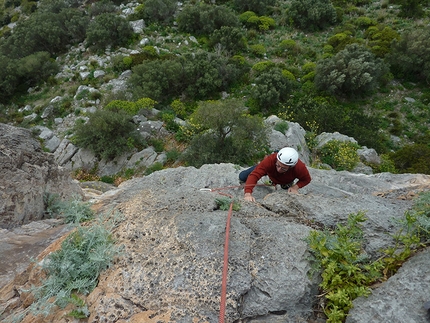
283 167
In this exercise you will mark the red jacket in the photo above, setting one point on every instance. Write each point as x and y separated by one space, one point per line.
268 167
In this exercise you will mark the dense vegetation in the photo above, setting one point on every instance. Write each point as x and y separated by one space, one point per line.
328 65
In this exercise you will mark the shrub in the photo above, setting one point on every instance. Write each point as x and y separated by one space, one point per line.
410 56
260 7
161 11
352 71
108 134
281 126
312 14
108 29
204 19
339 41
339 155
380 39
413 158
258 50
231 39
195 76
225 133
270 89
347 272
100 7
262 66
244 17
75 268
266 23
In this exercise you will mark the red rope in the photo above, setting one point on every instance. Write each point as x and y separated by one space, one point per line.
225 267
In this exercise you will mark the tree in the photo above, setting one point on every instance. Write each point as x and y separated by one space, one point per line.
312 14
204 19
108 134
230 39
226 134
353 71
413 158
108 29
160 10
271 88
410 56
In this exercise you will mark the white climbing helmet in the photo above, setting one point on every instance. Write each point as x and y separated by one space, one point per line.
288 156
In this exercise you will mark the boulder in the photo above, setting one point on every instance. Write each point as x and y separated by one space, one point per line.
27 176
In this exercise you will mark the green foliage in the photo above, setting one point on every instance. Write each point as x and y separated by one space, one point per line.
244 17
100 7
108 134
260 7
346 270
413 234
413 158
258 50
204 19
81 311
353 71
231 39
161 11
339 41
224 203
131 108
46 31
16 75
380 39
411 8
75 268
154 168
262 66
281 126
108 29
340 155
193 76
410 56
365 22
266 23
312 14
271 88
225 133
73 211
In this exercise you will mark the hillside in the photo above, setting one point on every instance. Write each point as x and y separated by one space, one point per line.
347 69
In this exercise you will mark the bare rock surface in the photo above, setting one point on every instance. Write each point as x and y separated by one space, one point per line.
173 234
27 174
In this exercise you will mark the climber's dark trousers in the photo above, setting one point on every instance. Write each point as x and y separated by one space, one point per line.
243 175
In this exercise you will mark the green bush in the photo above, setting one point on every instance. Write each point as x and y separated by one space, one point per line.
258 50
260 7
161 11
312 14
204 19
380 39
339 41
281 126
410 56
413 158
347 272
224 133
194 76
353 71
100 7
231 39
46 31
75 268
108 134
340 155
108 29
271 88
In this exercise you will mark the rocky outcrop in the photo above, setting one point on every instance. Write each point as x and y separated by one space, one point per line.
173 233
27 175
